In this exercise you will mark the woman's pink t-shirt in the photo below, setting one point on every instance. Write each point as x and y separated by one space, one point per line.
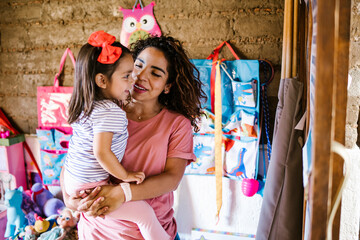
150 143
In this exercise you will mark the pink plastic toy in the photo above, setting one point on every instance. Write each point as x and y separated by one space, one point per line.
249 187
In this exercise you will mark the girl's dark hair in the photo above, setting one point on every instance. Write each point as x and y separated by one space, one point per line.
86 92
186 95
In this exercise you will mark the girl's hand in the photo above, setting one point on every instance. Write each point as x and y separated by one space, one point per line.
137 177
102 200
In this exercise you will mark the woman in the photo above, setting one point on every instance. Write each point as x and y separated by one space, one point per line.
167 102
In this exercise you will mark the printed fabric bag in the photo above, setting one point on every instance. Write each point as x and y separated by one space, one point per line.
54 132
53 101
240 88
53 149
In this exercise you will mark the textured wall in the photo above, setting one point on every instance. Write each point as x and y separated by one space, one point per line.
350 208
35 33
352 121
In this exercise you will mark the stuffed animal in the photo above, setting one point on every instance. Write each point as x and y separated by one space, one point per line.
67 221
15 216
29 207
44 225
138 23
45 200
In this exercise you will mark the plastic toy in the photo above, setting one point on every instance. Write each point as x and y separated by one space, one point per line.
15 216
29 234
41 226
46 201
249 187
67 222
5 134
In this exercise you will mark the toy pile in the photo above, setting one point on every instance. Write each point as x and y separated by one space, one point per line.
36 214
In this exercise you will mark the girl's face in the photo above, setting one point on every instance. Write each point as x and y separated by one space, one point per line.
121 81
150 74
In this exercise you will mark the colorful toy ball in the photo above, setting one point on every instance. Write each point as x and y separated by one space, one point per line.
249 187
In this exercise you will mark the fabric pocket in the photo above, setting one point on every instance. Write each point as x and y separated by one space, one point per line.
244 93
51 166
53 150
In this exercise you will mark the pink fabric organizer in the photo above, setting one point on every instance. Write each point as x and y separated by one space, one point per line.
12 159
3 220
53 101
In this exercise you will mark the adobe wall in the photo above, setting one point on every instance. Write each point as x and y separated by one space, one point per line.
35 33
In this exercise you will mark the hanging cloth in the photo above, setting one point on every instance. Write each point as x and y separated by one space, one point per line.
282 207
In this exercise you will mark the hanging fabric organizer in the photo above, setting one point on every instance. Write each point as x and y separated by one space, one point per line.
239 127
54 132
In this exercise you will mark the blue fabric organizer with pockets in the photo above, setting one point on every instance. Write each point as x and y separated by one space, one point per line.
240 95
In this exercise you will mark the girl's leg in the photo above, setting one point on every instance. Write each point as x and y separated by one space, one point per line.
72 186
141 213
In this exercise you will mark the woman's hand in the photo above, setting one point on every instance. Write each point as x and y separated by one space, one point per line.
102 200
72 201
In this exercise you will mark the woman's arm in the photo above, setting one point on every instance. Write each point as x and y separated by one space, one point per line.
165 182
153 186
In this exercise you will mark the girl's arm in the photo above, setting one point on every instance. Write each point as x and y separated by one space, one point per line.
153 186
108 160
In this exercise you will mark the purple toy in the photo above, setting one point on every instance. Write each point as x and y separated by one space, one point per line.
29 207
45 200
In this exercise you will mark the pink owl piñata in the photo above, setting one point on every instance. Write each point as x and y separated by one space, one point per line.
138 23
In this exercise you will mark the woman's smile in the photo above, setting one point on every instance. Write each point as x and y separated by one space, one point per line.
139 88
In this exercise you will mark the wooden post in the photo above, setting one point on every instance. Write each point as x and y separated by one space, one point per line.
289 36
303 19
322 137
295 39
341 66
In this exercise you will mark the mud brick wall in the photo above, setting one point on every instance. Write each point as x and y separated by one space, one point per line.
35 33
352 115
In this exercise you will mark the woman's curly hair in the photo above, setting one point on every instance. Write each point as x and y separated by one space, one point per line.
186 94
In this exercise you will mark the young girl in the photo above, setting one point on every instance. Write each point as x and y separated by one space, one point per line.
102 83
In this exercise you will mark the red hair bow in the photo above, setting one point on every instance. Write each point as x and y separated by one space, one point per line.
109 54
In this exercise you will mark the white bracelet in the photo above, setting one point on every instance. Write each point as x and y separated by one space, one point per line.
127 191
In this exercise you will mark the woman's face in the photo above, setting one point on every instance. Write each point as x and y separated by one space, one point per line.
150 74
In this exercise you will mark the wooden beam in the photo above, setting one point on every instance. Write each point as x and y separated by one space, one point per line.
294 60
308 64
303 21
341 66
289 36
322 119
